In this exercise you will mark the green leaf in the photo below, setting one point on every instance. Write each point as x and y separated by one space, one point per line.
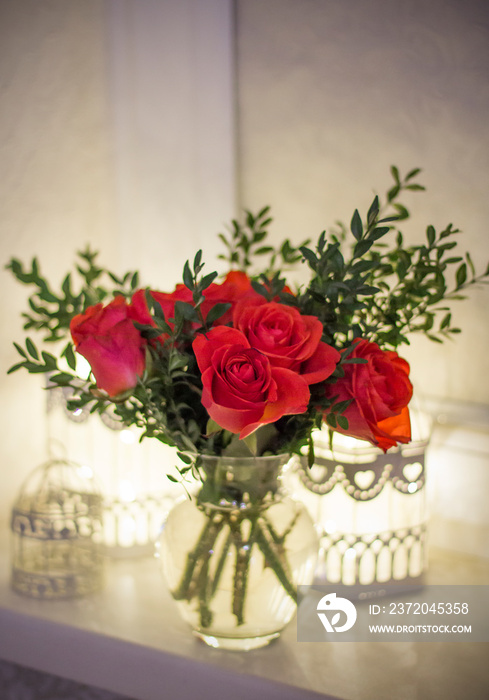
395 174
177 361
310 257
379 232
49 360
212 428
341 406
70 356
186 311
393 192
62 378
431 235
251 443
197 261
367 290
207 280
188 279
185 458
446 321
331 420
356 225
216 312
342 422
14 368
20 350
263 211
66 286
361 248
402 212
461 275
373 212
31 349
413 173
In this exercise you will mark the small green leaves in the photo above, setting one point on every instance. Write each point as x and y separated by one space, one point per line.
50 312
33 361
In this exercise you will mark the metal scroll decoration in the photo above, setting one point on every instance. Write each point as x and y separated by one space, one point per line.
56 529
370 510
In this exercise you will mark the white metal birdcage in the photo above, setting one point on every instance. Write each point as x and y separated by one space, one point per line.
57 533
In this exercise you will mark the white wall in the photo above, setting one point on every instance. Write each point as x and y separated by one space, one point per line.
116 129
171 91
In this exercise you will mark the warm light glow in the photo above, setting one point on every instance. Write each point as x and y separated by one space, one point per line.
127 437
127 492
83 368
330 527
85 471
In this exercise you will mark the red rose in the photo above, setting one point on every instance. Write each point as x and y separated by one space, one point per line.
287 338
109 341
381 391
241 389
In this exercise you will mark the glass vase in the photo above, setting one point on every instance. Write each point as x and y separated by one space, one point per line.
234 555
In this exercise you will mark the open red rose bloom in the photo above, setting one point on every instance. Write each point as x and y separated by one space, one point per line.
242 389
379 391
109 341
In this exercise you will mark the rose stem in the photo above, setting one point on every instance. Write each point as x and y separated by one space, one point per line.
198 556
243 555
275 558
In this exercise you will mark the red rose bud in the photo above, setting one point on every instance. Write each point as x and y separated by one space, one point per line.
380 390
107 338
241 389
287 338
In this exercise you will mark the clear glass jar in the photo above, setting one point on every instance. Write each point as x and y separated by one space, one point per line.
234 555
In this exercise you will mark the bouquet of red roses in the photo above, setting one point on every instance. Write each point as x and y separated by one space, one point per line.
246 365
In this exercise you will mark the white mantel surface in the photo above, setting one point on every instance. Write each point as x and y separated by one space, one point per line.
129 639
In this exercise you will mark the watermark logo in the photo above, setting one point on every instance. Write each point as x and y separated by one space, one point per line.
330 609
441 613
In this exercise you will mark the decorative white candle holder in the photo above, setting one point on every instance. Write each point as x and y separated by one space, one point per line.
369 507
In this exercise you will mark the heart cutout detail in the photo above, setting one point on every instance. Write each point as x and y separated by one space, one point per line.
412 472
364 479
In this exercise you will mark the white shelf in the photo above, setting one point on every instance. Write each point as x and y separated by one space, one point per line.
129 639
